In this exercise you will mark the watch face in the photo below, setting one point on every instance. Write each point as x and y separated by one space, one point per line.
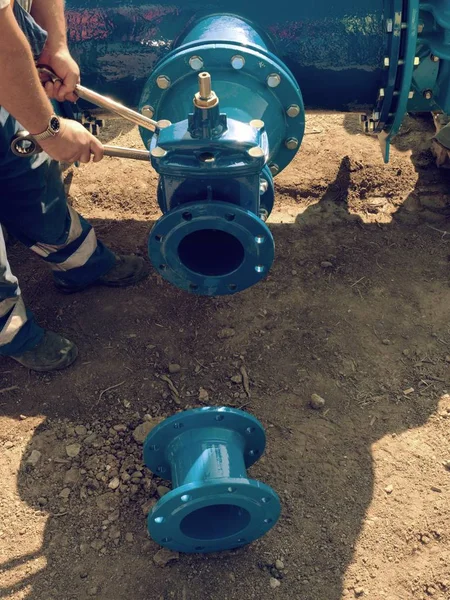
55 124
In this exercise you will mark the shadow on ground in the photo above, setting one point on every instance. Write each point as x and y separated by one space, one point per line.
350 311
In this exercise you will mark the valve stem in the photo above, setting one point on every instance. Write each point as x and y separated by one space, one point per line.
205 97
204 84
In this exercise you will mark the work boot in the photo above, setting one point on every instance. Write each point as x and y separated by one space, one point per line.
51 354
127 271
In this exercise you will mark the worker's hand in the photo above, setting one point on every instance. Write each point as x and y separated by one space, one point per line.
61 62
73 143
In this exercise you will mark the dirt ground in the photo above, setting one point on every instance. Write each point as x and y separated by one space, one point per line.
356 309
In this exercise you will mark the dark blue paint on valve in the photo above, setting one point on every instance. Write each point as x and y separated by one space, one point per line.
213 505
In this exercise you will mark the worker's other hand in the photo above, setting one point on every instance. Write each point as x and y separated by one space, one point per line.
73 143
64 66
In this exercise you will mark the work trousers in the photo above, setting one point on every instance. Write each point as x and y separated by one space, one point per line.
34 209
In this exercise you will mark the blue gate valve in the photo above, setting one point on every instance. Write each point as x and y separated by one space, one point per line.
213 505
217 158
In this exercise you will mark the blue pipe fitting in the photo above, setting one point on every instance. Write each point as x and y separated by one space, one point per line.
217 160
213 505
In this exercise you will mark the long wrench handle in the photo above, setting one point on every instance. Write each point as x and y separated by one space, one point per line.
23 144
116 107
107 103
121 152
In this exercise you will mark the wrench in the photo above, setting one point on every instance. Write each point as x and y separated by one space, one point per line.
108 104
23 144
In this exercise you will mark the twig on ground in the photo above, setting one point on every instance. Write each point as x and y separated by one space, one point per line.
112 387
9 389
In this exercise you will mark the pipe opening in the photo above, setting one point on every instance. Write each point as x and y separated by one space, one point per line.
215 522
211 252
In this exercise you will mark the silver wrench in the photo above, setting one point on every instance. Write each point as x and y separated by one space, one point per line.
108 104
23 144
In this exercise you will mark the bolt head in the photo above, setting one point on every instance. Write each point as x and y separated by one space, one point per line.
257 124
434 58
163 82
148 111
420 28
256 152
293 111
428 94
263 186
389 25
196 63
273 80
416 61
158 152
238 62
274 169
291 143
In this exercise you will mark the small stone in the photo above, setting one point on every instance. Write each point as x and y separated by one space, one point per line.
164 556
359 591
203 395
408 391
114 483
107 502
447 358
148 506
65 493
142 430
406 352
236 379
80 430
389 489
317 402
386 342
72 477
425 539
129 537
34 458
93 591
446 464
326 264
174 368
97 544
274 583
42 501
90 439
73 450
162 490
9 445
226 332
120 428
23 417
436 489
279 564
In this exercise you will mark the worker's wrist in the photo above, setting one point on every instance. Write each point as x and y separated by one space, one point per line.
55 45
42 124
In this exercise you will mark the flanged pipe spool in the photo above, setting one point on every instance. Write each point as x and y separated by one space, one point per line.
213 504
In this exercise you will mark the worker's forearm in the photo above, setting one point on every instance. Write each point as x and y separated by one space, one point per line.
50 16
21 92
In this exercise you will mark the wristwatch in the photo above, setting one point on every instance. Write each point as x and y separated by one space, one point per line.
54 127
